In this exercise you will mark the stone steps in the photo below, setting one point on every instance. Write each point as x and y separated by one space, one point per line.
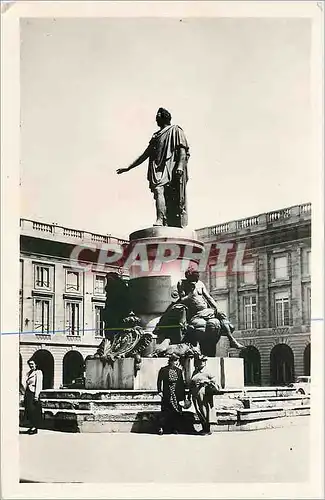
147 421
93 405
255 414
81 410
94 394
151 401
86 394
137 401
285 402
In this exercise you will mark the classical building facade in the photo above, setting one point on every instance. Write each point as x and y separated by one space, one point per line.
265 289
60 299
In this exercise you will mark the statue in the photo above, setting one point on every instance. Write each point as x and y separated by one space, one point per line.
123 335
168 154
183 350
194 318
203 310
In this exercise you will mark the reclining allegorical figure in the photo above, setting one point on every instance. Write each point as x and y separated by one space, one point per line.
199 321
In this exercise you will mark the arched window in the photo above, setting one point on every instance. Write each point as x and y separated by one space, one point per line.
252 365
282 365
73 367
307 360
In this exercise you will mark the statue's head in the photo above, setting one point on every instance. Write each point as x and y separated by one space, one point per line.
163 117
192 275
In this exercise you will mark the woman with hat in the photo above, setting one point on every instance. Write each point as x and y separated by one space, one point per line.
171 388
202 387
34 385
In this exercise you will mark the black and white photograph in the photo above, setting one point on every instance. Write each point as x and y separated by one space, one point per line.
162 262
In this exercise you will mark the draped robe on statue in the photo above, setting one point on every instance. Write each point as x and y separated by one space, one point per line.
165 147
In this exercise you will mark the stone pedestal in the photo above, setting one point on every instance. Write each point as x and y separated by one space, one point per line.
146 377
158 258
233 372
229 373
107 375
222 347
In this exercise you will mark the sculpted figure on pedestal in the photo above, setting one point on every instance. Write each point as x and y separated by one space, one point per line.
199 321
123 335
168 154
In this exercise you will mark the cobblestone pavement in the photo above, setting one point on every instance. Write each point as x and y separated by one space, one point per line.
272 455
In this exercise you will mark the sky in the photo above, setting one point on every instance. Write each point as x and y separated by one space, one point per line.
90 89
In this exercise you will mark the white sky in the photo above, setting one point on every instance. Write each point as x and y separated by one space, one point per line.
90 89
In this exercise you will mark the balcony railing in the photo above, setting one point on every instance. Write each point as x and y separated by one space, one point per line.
72 232
278 215
249 222
99 238
305 209
258 221
213 230
39 226
54 230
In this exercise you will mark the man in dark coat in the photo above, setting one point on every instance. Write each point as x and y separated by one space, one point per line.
171 388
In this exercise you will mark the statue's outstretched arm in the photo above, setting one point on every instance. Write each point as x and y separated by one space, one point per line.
145 155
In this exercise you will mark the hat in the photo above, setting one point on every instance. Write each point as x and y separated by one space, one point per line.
174 356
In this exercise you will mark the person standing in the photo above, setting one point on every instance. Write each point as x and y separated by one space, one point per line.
202 387
171 388
168 154
33 409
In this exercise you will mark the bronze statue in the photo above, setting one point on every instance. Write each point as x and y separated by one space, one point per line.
168 154
182 349
203 311
124 336
194 318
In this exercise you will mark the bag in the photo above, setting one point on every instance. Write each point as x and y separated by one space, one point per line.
187 404
210 391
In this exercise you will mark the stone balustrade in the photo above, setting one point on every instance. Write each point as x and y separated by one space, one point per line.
305 208
278 215
256 222
47 228
249 222
73 233
31 228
